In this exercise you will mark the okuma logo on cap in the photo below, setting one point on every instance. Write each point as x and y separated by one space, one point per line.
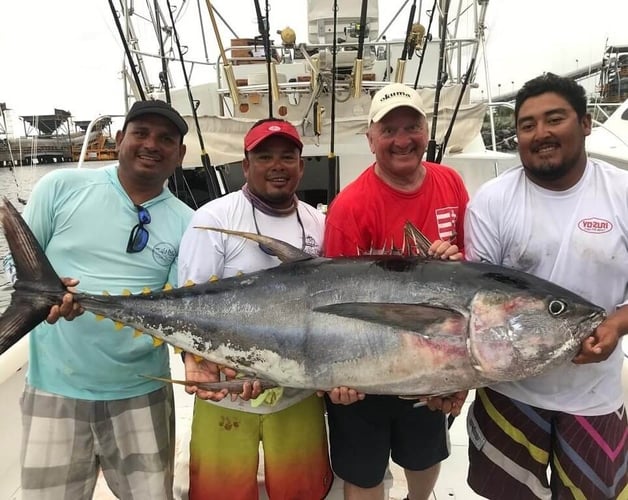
396 94
274 128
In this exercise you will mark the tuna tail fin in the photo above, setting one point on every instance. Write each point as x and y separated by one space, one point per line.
37 287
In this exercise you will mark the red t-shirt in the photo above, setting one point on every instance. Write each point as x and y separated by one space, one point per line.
368 216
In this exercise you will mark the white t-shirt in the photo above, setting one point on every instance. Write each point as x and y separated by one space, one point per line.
576 238
204 253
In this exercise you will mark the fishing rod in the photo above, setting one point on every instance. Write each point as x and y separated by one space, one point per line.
332 161
263 28
358 64
163 75
127 51
214 188
425 45
431 145
465 84
401 62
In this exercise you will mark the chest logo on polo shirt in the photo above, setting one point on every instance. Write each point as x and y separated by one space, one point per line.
446 221
164 253
595 225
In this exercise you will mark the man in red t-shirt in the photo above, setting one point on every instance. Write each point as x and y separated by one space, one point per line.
368 216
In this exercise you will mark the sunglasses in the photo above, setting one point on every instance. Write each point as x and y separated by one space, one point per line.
139 234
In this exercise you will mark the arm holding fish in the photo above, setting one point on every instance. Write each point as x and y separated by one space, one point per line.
203 370
603 341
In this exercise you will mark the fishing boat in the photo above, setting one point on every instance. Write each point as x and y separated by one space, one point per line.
322 81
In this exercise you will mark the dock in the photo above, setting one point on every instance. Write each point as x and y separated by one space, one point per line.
53 138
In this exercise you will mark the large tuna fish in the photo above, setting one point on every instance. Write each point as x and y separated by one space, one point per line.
382 325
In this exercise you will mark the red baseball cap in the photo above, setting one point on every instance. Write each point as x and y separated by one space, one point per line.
268 129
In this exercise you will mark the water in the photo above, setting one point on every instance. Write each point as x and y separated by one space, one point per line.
18 184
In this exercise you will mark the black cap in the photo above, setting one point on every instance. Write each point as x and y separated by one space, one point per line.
157 107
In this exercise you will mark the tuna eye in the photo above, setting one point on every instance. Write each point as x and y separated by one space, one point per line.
556 307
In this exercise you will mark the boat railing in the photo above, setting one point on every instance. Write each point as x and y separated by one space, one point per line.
390 49
88 132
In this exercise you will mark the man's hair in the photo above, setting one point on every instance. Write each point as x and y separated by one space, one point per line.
567 88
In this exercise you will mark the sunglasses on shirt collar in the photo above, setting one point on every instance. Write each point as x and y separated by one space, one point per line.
139 234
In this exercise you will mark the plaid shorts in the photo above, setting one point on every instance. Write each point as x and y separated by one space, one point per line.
65 441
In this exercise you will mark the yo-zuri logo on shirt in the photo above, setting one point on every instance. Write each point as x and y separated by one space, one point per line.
595 225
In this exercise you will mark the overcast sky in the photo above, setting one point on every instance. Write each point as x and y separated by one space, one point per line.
66 54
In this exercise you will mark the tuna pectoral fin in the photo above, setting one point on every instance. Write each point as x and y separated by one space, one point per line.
234 386
419 318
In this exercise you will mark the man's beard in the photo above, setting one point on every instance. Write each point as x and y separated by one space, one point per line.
548 172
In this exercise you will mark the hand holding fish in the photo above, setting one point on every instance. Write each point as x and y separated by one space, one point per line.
604 339
202 370
343 395
450 403
444 250
69 308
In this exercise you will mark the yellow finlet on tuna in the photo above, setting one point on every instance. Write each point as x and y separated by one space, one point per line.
188 283
167 287
146 291
157 342
126 292
118 325
137 333
213 277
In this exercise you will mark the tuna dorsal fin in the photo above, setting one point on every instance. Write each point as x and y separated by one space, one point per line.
417 242
413 317
282 250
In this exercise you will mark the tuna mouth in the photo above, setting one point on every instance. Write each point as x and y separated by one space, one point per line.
591 322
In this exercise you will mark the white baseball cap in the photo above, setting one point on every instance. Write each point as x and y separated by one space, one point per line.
392 96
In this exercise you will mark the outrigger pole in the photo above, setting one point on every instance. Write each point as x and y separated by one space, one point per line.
332 161
358 64
401 62
431 145
231 83
127 51
214 188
